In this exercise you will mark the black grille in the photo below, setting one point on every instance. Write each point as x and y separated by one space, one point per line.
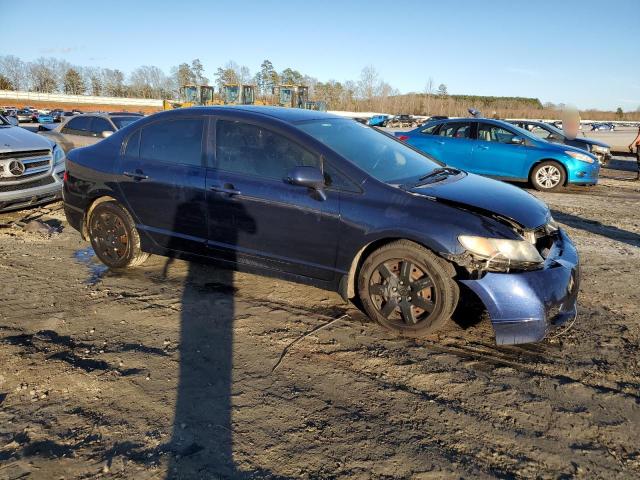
36 164
26 154
23 186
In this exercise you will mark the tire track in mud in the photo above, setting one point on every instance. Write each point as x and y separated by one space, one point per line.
499 433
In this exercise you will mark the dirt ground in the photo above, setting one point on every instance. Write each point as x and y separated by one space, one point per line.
179 370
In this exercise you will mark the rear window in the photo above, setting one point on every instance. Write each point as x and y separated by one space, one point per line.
121 122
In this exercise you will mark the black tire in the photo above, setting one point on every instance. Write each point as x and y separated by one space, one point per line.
415 308
114 237
548 176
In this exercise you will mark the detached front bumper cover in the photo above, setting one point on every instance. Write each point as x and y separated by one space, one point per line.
525 306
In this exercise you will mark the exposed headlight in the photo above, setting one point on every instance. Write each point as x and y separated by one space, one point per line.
552 225
517 251
599 149
583 157
58 155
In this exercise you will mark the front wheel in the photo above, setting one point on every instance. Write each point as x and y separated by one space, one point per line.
114 237
548 177
407 289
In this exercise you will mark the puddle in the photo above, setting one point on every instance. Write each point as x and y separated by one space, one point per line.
97 270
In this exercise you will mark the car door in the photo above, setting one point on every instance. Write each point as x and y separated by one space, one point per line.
255 216
162 180
495 154
455 141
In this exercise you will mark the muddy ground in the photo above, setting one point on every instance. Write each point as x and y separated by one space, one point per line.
178 370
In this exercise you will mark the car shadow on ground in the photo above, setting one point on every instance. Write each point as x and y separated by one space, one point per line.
621 163
595 227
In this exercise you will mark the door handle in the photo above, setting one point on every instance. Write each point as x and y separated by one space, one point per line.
440 142
483 147
227 189
136 176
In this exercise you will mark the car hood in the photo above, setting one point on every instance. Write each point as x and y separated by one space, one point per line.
562 147
591 141
489 196
14 139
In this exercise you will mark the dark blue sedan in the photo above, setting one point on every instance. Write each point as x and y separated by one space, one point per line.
323 200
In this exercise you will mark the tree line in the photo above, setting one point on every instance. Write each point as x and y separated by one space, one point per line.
369 92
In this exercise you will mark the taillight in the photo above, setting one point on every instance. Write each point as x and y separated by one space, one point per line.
65 177
403 138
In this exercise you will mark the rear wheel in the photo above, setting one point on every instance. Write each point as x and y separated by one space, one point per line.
407 289
114 236
548 176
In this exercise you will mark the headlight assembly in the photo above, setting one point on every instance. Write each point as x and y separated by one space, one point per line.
501 250
58 155
583 157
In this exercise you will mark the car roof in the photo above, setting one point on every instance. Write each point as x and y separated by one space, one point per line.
289 115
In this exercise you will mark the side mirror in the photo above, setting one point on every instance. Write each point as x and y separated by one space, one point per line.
310 177
106 134
517 140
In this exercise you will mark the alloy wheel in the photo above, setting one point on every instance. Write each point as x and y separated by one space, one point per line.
402 292
110 236
548 176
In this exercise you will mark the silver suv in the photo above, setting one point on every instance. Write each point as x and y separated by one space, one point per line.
31 168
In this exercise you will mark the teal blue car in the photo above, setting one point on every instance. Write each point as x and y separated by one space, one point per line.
501 150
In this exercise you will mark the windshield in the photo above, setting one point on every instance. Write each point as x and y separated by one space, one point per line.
382 157
121 122
551 128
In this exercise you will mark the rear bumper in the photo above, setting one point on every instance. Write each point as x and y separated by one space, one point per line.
525 306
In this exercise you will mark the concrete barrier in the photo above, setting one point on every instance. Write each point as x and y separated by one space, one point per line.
25 97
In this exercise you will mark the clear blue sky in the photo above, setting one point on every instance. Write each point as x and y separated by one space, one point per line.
585 53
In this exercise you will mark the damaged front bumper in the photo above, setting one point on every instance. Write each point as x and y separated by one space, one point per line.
525 306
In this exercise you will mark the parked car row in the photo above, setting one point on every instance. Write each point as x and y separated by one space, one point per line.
87 129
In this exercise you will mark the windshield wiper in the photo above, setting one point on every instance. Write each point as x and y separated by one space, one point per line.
437 172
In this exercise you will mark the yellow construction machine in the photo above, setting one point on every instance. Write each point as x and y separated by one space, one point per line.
191 96
296 96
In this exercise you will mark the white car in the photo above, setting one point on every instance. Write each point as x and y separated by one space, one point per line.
31 168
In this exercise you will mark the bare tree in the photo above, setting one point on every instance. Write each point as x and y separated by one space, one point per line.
442 90
369 83
113 82
93 80
43 75
428 93
14 70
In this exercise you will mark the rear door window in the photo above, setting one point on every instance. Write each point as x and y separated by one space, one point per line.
457 130
173 141
250 149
